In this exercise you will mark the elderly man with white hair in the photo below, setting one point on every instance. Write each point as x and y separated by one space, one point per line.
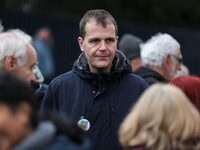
18 56
161 59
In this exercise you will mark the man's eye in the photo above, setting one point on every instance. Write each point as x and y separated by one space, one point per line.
94 41
110 40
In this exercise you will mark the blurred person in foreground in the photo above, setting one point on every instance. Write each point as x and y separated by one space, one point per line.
162 119
18 56
21 130
190 85
15 110
161 59
99 89
129 45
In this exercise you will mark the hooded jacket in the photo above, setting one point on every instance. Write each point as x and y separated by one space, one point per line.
103 99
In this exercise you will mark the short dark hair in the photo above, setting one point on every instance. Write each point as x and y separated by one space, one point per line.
14 91
100 15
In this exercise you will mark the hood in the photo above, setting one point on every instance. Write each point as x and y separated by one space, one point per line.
120 66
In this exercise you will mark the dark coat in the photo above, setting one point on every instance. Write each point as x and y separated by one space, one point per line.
149 75
103 99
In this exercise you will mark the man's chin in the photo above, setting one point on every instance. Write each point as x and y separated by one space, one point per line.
103 68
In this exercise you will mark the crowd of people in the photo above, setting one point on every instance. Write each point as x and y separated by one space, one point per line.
134 95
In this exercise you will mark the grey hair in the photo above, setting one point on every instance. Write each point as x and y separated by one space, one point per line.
21 35
14 43
1 27
155 49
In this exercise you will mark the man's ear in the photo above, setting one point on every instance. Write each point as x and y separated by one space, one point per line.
80 42
10 63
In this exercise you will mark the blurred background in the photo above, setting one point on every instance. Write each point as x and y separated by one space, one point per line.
143 18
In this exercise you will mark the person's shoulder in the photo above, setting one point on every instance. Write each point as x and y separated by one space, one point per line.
65 77
134 81
134 75
137 78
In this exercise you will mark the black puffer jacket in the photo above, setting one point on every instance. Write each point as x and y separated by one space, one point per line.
103 99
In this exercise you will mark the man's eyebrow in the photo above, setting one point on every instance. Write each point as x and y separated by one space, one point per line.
94 38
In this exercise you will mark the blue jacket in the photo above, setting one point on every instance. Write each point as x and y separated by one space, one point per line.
103 99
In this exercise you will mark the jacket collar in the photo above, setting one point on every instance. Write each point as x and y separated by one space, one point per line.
120 65
146 72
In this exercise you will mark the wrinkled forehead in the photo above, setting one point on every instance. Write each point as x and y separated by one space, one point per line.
104 23
93 27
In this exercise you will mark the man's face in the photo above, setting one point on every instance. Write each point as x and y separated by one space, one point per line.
14 125
26 71
99 45
174 65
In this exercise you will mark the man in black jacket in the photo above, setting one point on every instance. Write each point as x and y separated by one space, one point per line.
101 87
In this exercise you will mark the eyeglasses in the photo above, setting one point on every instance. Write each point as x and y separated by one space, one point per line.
179 60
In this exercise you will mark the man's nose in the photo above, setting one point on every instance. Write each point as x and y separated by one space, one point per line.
33 77
103 45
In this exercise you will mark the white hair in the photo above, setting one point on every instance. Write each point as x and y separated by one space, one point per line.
21 35
14 43
155 49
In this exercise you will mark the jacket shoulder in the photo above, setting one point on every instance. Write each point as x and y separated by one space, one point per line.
136 78
63 78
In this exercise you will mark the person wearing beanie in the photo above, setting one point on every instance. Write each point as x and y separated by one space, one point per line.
129 46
